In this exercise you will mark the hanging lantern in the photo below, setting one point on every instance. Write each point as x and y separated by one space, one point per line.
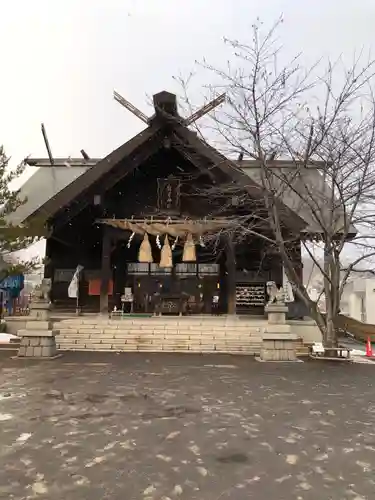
166 254
189 254
145 252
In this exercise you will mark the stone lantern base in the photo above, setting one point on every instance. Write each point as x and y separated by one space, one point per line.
278 343
278 346
38 340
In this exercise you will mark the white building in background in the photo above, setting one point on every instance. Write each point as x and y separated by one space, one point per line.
358 299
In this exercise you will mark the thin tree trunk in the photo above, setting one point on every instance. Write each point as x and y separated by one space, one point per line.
329 337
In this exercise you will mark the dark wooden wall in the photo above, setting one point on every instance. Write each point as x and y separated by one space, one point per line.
80 240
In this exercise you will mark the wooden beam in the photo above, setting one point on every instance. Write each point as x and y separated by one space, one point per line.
192 157
61 162
230 255
105 271
84 154
226 221
49 270
44 132
130 107
205 109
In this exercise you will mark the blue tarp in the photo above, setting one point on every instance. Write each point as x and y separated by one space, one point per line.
13 282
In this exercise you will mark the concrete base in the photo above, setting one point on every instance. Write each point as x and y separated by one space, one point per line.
257 358
37 343
46 358
38 337
278 346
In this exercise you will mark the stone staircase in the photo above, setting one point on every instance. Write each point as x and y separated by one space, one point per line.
167 334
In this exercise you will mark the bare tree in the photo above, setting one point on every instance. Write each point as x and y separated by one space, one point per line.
311 134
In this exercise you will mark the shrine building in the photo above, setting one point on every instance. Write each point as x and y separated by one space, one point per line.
148 238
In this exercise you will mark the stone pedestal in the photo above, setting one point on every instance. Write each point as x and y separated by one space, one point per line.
276 314
38 337
278 346
278 343
39 310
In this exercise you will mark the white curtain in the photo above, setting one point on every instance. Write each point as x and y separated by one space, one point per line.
73 287
287 287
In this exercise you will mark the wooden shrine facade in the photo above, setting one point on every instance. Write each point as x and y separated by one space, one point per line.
151 193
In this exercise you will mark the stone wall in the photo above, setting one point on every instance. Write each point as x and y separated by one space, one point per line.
307 330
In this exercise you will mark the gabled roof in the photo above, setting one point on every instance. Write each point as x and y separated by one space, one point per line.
42 186
91 175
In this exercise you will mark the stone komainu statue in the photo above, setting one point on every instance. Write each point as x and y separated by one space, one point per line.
276 295
46 289
42 291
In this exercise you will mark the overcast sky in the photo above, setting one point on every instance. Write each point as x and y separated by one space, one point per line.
61 60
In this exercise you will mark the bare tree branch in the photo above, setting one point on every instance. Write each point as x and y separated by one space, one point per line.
322 121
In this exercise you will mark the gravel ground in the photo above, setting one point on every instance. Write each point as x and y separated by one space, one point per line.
158 427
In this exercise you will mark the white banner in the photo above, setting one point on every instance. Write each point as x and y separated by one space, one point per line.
74 284
287 287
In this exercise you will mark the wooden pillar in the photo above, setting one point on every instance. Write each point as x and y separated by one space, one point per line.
48 269
299 260
230 254
48 265
105 271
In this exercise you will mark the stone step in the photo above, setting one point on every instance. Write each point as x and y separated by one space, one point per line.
157 324
110 329
157 348
157 339
253 350
131 327
158 335
161 334
184 335
165 319
164 342
156 342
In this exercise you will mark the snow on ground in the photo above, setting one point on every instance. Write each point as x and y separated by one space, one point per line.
5 338
363 359
357 352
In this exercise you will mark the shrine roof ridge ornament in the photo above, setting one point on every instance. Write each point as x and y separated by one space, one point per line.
165 104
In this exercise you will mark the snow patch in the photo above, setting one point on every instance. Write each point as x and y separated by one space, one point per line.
5 338
24 437
5 416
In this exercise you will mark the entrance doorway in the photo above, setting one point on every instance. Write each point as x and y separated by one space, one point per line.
187 288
